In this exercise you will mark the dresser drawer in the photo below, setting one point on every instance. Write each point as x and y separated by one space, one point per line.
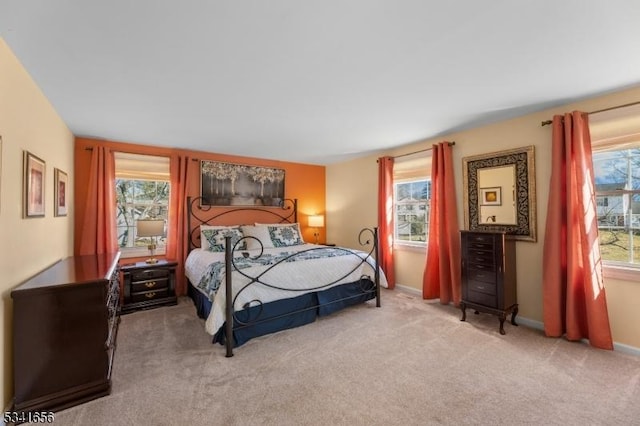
155 284
480 267
482 287
480 256
149 295
148 274
482 275
487 300
480 238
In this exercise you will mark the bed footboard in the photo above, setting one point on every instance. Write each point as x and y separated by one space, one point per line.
364 289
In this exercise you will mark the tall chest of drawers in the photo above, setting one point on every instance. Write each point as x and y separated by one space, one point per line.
489 274
65 323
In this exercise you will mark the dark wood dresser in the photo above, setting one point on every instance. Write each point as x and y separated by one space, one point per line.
65 323
489 274
148 285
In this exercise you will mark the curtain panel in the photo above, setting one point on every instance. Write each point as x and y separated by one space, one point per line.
385 218
177 246
442 274
98 233
574 299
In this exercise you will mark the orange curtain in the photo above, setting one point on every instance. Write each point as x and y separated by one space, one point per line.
441 277
177 247
574 300
385 218
98 233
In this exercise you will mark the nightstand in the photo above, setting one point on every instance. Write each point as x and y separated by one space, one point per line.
148 285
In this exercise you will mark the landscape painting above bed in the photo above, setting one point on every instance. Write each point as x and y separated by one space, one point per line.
228 184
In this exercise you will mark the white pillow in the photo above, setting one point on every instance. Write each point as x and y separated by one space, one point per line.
260 232
204 241
284 234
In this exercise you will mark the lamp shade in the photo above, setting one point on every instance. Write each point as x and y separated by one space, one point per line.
316 221
150 228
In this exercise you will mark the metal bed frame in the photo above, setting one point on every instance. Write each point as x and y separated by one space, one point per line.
287 213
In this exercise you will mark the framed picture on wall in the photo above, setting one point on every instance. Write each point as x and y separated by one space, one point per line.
34 180
228 184
60 192
491 196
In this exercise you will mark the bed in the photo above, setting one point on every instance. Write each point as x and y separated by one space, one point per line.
276 280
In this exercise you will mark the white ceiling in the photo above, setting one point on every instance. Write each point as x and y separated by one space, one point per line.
315 81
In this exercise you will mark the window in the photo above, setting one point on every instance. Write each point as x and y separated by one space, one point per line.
142 192
411 207
617 177
411 198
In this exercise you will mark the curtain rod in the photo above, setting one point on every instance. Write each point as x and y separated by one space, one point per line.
544 123
420 150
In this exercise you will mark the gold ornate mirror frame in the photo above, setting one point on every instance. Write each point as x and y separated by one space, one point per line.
523 189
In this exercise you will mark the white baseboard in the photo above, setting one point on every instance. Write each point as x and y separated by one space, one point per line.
631 350
408 289
538 325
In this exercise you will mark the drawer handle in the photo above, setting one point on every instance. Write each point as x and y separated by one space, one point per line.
480 275
480 287
150 284
150 295
479 259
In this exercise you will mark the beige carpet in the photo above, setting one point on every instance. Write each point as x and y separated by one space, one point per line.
409 362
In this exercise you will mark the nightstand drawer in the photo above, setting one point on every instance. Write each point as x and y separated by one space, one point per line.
148 274
147 285
156 284
149 295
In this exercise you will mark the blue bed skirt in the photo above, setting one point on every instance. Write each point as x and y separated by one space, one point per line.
277 316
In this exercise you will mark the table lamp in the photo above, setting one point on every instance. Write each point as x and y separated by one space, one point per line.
316 221
150 228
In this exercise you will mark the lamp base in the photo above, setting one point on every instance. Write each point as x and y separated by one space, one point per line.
152 252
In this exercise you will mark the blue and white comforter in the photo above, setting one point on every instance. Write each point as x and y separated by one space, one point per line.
309 271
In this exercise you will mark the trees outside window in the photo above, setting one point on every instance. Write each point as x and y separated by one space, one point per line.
411 208
617 178
139 199
142 189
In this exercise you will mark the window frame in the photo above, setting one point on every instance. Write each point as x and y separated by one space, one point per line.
624 270
146 170
412 245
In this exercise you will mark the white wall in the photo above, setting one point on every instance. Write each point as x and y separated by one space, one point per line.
352 199
27 122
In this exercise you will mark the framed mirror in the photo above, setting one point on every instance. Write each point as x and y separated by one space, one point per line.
500 192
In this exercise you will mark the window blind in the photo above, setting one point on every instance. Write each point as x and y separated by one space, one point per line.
141 167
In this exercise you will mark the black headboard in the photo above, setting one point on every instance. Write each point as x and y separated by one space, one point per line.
198 214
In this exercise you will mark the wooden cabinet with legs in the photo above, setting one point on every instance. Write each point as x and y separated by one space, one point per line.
489 274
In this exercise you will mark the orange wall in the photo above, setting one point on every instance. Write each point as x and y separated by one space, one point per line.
304 182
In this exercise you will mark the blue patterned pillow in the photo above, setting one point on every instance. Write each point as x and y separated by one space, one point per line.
285 235
215 238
